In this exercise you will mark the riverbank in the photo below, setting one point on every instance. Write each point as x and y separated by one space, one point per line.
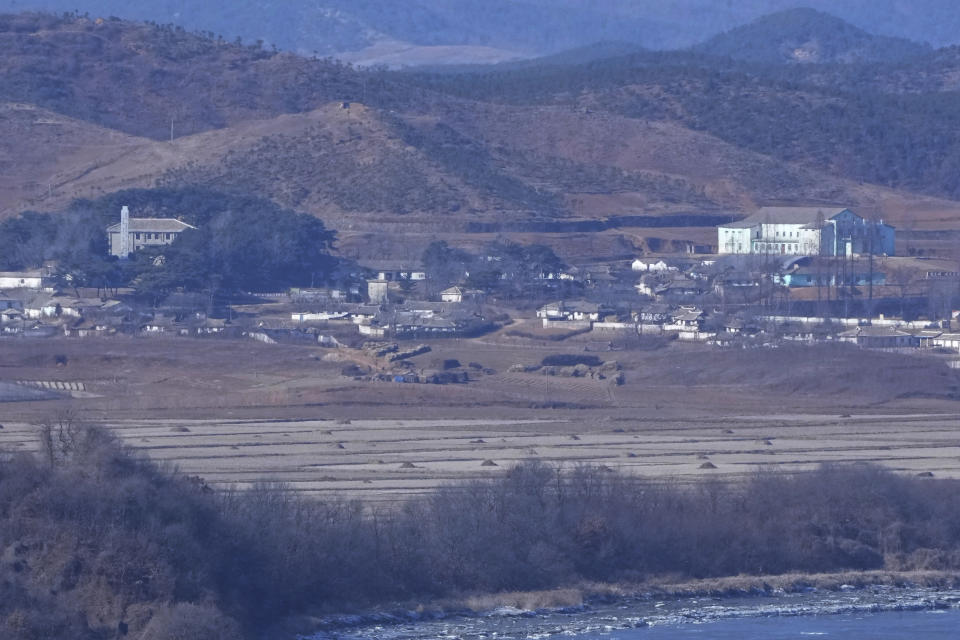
651 602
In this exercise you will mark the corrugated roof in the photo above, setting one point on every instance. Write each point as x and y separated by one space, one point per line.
807 216
153 225
876 332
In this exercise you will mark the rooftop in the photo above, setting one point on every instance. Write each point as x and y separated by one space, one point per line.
876 332
807 216
153 225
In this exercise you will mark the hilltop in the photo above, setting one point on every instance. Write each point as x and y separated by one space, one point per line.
141 78
808 36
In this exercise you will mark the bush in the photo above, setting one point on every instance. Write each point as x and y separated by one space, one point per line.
570 360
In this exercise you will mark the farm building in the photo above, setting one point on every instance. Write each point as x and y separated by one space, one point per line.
947 341
879 338
574 310
453 294
34 279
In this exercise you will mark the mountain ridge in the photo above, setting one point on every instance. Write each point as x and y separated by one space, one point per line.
806 35
364 30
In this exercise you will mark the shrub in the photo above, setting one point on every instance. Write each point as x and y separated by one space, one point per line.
571 360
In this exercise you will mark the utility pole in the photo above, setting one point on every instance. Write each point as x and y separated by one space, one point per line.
872 232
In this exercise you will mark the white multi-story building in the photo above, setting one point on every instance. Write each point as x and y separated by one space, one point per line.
806 231
133 234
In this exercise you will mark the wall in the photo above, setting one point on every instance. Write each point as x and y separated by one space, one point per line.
566 324
21 281
733 240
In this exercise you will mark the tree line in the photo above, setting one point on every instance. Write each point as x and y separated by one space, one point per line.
100 542
241 243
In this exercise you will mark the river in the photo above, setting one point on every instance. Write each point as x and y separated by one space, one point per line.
876 613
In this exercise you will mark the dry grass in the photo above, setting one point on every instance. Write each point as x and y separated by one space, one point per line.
526 600
792 582
238 412
666 586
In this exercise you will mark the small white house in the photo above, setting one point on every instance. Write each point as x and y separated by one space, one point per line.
395 275
319 316
570 311
43 306
551 311
651 265
22 280
453 294
947 341
377 291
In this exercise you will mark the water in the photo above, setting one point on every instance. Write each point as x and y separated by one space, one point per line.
876 613
928 625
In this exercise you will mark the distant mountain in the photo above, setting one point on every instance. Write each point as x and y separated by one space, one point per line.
808 36
430 32
391 32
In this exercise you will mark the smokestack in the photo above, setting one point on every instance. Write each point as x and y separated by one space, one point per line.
125 248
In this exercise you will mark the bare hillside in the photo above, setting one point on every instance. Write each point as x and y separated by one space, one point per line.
42 153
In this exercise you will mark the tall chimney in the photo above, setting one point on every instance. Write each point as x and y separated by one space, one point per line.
125 248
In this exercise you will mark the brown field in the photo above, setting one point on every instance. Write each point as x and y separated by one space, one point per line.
235 412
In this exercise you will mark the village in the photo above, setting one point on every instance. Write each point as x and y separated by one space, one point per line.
762 289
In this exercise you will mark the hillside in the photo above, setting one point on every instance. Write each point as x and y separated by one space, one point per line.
32 176
807 36
901 140
141 78
544 145
474 162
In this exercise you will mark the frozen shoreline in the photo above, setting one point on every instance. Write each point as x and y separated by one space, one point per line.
632 612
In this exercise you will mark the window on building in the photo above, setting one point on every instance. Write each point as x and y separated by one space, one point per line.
137 236
169 235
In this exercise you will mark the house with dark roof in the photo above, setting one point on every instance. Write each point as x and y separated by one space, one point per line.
870 337
806 231
134 234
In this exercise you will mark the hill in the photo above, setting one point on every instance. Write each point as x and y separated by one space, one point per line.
895 137
807 36
142 79
550 145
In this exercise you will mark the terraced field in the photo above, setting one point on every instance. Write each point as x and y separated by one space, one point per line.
385 460
240 412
